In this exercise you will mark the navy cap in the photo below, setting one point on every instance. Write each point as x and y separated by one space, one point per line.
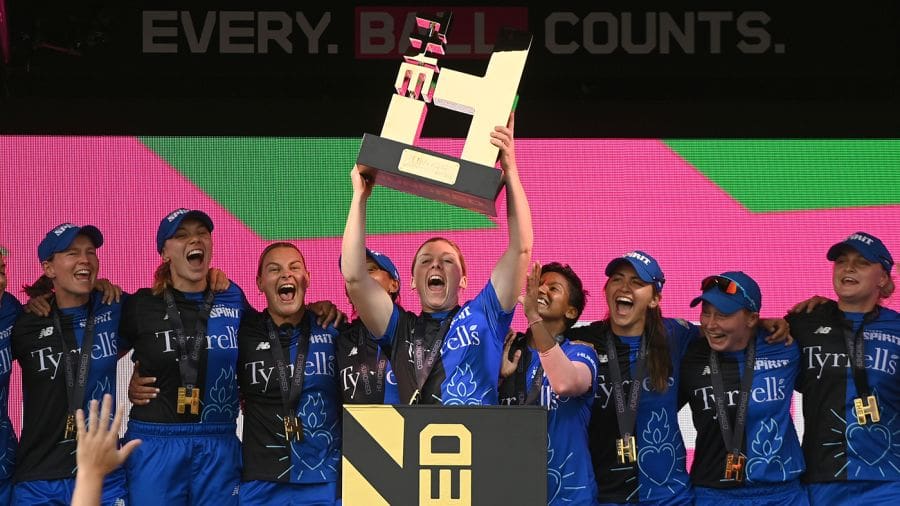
61 237
646 266
869 246
169 225
384 263
730 292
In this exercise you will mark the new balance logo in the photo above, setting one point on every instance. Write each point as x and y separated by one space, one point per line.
705 371
263 346
822 330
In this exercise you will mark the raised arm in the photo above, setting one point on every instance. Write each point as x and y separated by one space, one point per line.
372 302
508 275
566 377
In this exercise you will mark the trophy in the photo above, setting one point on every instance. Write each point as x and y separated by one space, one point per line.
471 181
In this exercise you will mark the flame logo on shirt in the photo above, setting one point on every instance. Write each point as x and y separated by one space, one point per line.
461 390
222 398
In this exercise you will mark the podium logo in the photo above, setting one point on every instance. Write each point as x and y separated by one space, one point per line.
442 456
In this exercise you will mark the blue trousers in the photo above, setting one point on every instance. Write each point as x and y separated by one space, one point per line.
184 464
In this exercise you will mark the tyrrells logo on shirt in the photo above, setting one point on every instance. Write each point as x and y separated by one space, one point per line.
883 360
604 393
773 390
318 363
226 341
350 379
48 360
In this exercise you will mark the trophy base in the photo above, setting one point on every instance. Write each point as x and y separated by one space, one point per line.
430 174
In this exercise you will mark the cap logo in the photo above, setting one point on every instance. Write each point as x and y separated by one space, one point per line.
62 228
861 238
178 212
638 257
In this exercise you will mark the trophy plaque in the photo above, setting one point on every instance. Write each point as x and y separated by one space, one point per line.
392 158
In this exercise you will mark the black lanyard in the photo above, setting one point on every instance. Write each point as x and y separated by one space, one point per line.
361 361
534 393
76 378
425 329
290 391
189 360
856 349
626 415
734 439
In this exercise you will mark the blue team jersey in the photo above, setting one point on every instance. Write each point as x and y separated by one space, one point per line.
470 352
837 447
45 454
266 453
316 459
105 349
771 445
220 397
570 476
661 474
9 311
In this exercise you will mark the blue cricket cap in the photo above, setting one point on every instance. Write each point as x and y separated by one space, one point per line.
383 262
646 266
730 292
61 237
169 225
869 246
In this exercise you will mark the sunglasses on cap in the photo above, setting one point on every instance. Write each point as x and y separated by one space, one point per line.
728 286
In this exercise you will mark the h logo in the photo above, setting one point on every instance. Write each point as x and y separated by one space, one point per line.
869 409
487 99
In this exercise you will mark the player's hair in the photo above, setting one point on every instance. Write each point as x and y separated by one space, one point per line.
274 245
577 293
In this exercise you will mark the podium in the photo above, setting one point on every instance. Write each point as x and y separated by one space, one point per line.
444 455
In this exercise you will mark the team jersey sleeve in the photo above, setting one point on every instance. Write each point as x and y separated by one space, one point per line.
390 333
498 320
587 356
682 334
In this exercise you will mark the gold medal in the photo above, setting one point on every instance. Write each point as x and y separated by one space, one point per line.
188 397
293 428
870 409
626 449
734 467
70 432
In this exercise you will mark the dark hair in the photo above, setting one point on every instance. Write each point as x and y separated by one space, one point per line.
275 245
462 261
659 359
577 293
42 286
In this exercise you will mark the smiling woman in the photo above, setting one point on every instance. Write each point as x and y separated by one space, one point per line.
185 335
288 377
739 388
54 389
851 393
636 446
